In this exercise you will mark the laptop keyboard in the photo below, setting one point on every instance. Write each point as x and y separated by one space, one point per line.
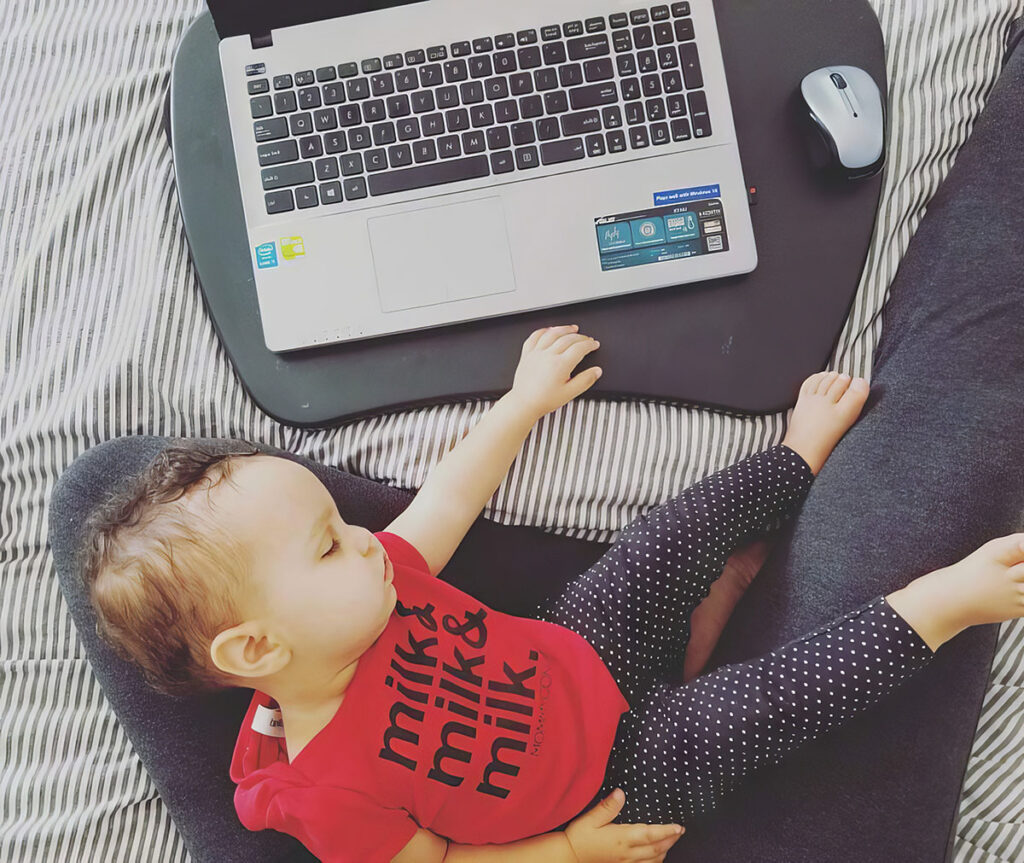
492 105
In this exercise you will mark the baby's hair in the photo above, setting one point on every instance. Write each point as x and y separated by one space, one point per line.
162 579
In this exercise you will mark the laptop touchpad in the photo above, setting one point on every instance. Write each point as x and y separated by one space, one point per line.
440 254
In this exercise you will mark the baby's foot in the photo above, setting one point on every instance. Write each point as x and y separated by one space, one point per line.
828 404
987 586
708 619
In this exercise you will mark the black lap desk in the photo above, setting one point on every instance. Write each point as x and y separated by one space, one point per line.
743 343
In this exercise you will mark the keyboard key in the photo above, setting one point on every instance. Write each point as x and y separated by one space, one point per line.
594 25
349 115
392 61
437 53
659 133
473 142
433 174
300 124
325 120
580 122
529 57
359 137
502 162
482 45
699 114
554 53
282 82
330 193
270 130
309 97
285 102
311 147
399 155
526 37
326 73
638 16
461 49
612 117
547 128
690 62
672 81
680 130
616 141
592 95
333 93
562 151
260 85
531 106
351 163
663 33
287 175
594 145
260 106
355 188
431 75
588 46
505 40
408 129
684 29
383 84
573 28
496 88
326 169
659 13
522 133
424 151
526 157
555 103
680 9
275 154
498 138
600 70
369 65
448 147
376 160
347 70
550 32
305 196
638 137
279 202
335 142
455 71
618 19
414 57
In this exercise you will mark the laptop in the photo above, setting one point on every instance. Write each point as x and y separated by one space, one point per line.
453 160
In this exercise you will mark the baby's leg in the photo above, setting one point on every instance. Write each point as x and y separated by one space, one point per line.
678 754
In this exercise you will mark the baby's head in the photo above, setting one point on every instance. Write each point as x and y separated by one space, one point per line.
215 569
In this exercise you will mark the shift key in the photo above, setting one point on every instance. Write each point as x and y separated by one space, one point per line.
287 175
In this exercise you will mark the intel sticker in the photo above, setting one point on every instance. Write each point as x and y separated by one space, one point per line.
674 196
266 256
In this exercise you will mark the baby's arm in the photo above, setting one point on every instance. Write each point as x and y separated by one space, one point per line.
460 485
427 847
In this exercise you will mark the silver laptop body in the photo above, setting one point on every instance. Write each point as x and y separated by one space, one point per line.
523 226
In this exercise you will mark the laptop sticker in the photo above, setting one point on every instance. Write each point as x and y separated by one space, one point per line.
266 256
292 248
693 193
661 233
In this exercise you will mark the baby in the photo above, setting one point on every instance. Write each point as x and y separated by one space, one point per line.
396 718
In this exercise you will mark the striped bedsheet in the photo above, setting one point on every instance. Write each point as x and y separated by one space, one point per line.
103 333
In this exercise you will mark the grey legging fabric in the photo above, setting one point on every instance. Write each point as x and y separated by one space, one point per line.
932 469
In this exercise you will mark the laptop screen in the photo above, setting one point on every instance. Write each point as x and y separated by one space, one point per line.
234 17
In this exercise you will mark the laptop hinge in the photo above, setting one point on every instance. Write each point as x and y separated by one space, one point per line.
261 40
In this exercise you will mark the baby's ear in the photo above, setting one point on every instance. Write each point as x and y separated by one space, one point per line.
246 651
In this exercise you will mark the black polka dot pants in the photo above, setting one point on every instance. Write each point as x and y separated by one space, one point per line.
681 747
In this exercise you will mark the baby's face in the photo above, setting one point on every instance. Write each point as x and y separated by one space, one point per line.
326 585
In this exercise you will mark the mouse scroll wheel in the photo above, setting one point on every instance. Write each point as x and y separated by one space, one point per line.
838 80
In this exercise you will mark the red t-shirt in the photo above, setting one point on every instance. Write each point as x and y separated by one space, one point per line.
483 727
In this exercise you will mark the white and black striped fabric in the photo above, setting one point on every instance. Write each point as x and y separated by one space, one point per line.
103 333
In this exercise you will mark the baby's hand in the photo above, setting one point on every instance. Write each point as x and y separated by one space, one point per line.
595 840
542 381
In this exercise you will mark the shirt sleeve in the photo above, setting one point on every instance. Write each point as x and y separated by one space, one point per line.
402 551
339 825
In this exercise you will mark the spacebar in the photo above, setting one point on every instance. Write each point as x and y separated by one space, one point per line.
433 174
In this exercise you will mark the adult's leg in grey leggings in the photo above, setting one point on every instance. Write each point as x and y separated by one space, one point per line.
933 468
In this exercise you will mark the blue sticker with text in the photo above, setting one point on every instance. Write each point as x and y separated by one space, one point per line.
266 256
674 196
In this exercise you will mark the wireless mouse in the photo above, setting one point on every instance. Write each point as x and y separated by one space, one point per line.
844 107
